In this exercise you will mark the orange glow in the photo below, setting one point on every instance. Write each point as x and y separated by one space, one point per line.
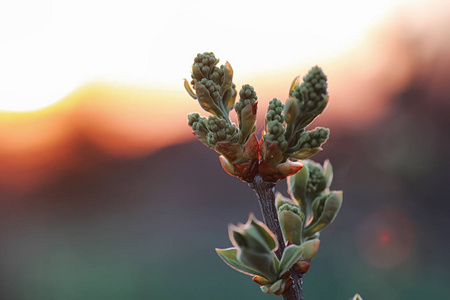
120 120
115 120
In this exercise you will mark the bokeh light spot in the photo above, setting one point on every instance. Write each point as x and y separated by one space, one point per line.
385 238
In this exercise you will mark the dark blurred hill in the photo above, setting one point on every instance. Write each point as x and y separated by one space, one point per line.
146 228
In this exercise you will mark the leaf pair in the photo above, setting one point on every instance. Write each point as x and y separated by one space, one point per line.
312 181
311 201
254 254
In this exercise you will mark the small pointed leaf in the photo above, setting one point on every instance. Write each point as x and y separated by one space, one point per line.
229 257
328 169
291 225
297 80
294 253
291 111
262 262
227 76
289 168
205 100
228 98
297 187
304 153
272 288
188 88
247 120
268 237
197 72
325 209
227 166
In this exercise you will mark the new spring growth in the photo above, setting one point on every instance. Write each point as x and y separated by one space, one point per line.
310 193
284 140
254 254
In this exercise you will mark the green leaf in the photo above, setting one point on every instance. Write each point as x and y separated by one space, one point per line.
247 120
206 101
328 169
294 253
297 80
272 288
188 88
228 98
297 187
229 257
227 76
291 111
304 153
254 236
268 238
325 209
196 72
291 225
262 262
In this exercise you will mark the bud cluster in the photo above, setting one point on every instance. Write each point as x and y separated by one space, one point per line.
247 95
199 127
316 182
290 207
312 91
220 130
285 125
203 66
284 139
310 189
274 124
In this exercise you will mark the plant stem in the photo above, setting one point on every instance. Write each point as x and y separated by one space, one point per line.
265 193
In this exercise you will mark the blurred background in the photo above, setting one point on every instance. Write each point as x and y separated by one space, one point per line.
105 193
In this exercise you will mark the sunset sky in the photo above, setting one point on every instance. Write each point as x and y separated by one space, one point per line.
109 73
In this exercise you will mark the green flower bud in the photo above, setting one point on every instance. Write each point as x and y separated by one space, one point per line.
212 85
316 180
247 96
306 101
290 207
199 127
274 124
312 93
203 66
274 111
213 89
219 130
309 143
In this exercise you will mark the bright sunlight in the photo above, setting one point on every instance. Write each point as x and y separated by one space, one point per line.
49 48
